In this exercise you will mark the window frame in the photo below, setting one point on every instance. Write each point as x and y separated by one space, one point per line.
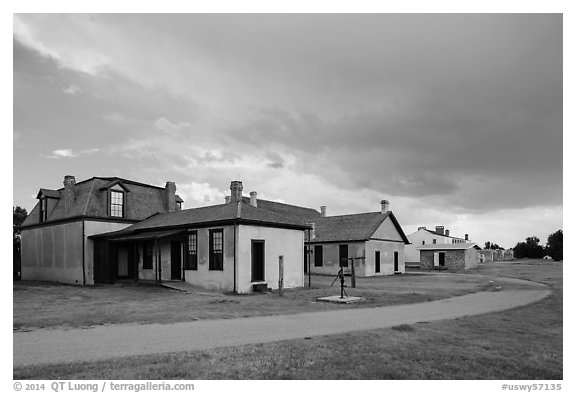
111 204
216 256
191 257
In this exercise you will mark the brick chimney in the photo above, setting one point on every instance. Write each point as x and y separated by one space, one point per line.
323 211
440 229
227 199
421 228
253 198
384 206
68 194
236 191
170 196
447 232
466 237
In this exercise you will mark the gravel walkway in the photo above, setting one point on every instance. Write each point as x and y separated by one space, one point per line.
103 342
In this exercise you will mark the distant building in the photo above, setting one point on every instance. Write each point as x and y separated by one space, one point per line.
425 237
449 256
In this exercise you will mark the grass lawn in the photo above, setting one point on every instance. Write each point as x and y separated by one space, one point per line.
523 343
45 305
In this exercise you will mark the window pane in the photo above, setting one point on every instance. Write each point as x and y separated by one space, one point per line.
191 261
116 204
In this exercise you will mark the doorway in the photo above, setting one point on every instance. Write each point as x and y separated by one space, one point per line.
441 259
126 262
176 260
377 261
396 261
258 260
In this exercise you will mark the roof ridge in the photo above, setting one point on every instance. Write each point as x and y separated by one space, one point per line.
283 203
358 214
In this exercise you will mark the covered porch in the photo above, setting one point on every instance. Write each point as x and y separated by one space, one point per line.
152 256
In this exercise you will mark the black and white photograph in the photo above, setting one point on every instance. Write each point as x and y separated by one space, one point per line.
275 196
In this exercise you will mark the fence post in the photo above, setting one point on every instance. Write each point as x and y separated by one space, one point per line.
281 275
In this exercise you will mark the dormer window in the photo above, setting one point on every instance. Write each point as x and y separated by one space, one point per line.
116 203
116 193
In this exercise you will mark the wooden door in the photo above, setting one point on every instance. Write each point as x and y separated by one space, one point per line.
395 261
377 261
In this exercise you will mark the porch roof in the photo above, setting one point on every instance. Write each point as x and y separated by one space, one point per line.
147 235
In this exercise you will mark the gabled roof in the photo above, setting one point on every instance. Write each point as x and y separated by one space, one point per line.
353 227
226 213
91 200
456 246
114 183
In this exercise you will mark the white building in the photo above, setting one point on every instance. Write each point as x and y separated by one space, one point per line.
425 237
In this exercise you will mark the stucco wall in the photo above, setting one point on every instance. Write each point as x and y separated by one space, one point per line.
387 231
387 250
331 264
53 253
212 279
94 228
277 241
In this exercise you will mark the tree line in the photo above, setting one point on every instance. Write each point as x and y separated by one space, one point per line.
532 249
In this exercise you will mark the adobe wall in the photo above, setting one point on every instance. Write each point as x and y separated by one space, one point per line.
53 253
277 241
387 250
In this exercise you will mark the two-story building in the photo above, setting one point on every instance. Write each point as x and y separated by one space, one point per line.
55 235
106 229
425 237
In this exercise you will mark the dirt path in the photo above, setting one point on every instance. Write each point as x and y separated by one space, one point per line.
103 342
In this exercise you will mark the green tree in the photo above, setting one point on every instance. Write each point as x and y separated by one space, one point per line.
492 246
19 214
554 245
529 249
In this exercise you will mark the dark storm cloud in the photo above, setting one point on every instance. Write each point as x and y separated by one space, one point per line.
447 99
465 108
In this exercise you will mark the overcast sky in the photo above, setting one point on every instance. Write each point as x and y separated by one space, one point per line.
455 119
